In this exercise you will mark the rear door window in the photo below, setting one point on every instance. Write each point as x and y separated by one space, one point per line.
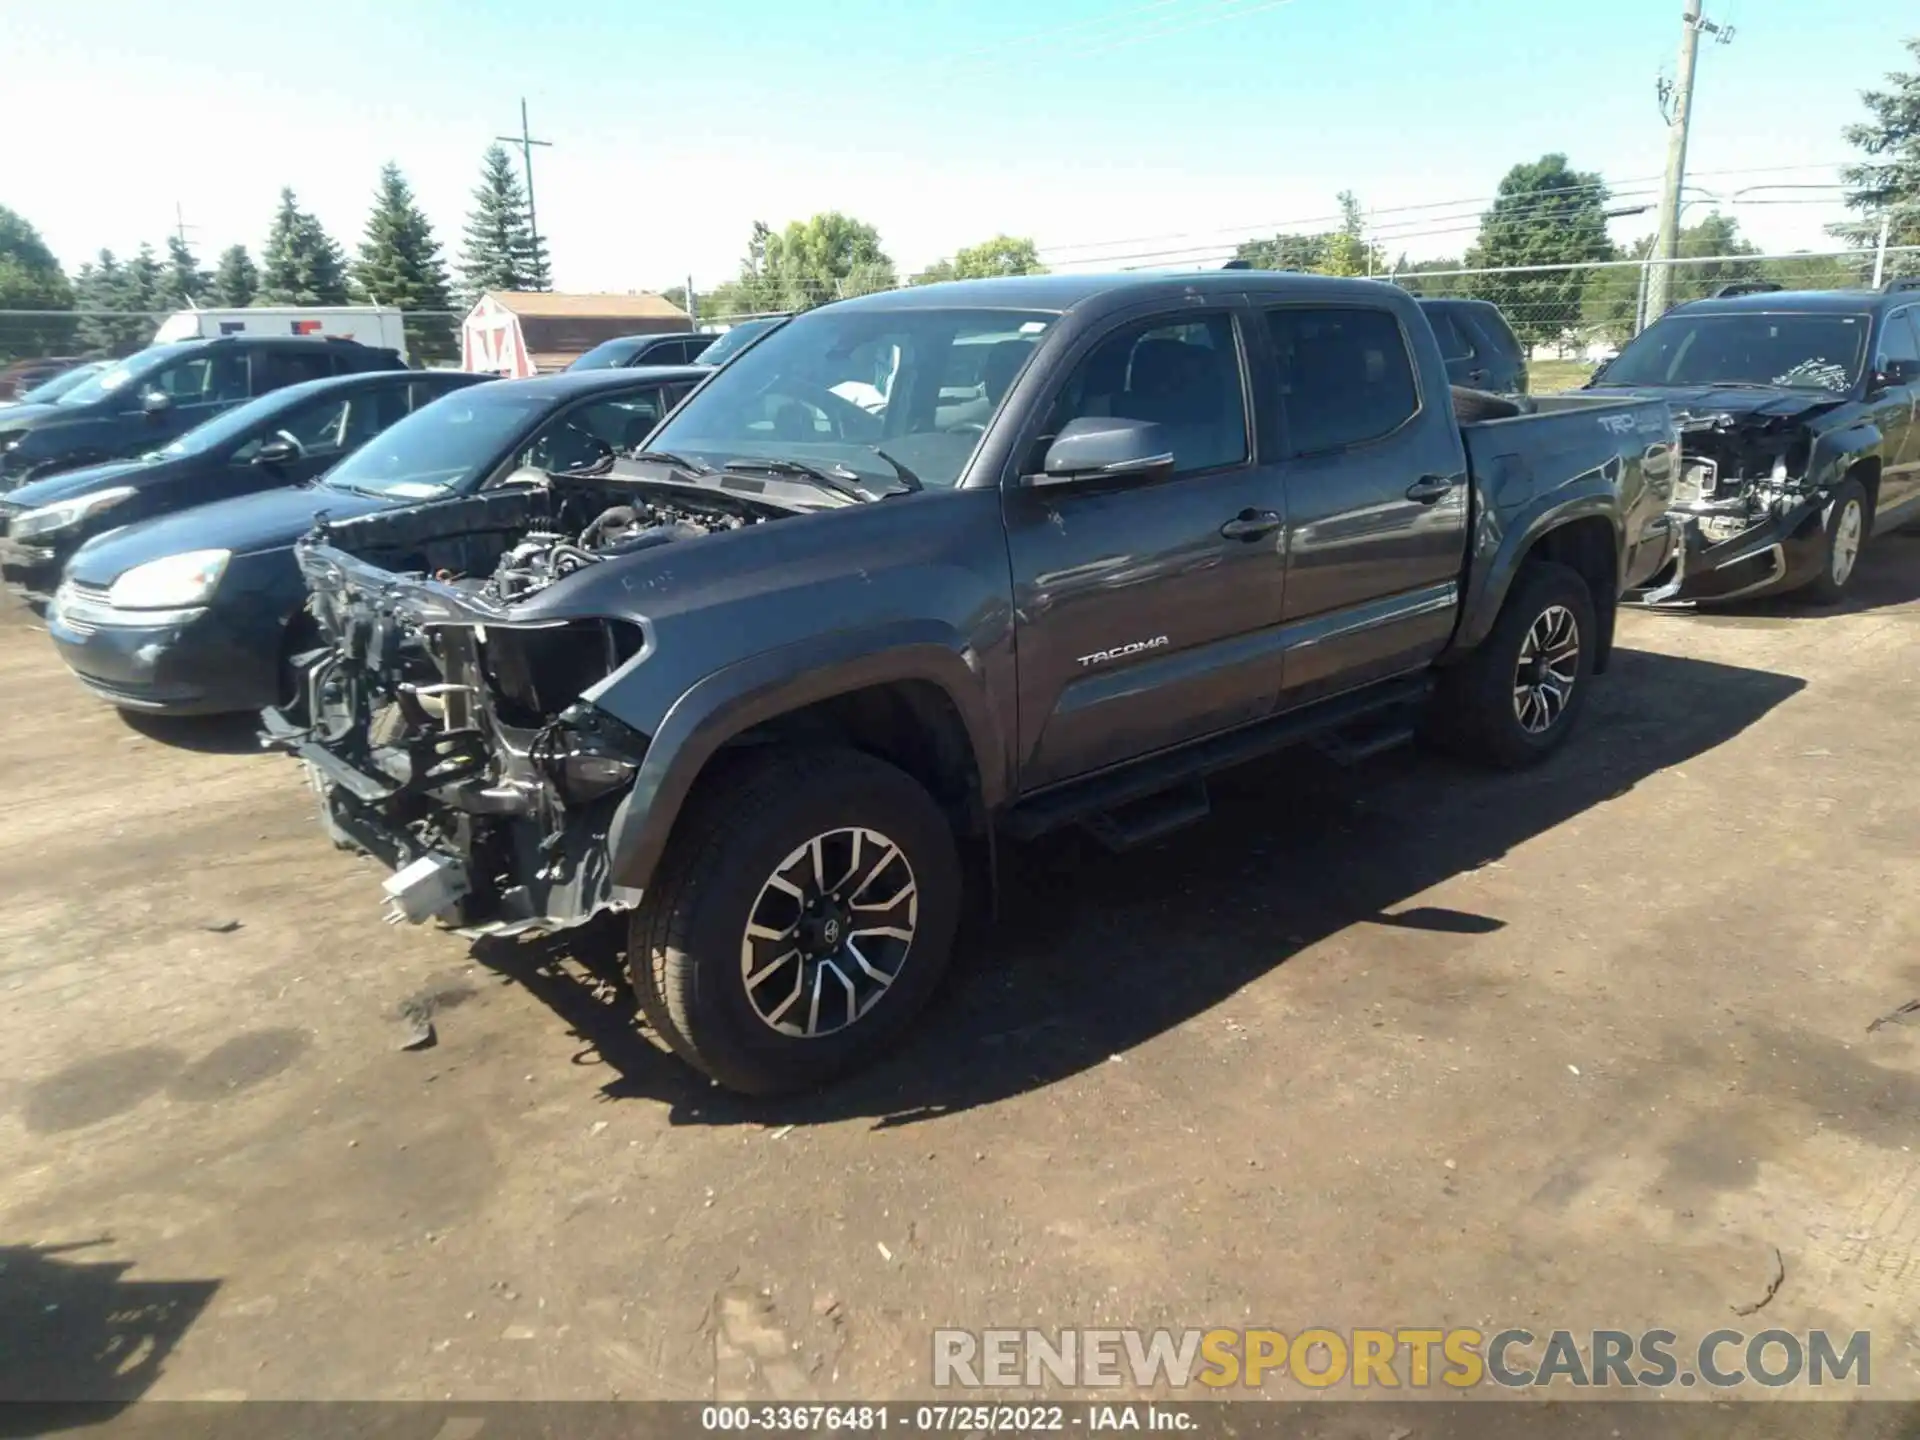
275 368
1345 376
1455 342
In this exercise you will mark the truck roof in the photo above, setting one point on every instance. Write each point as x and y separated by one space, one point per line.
1060 293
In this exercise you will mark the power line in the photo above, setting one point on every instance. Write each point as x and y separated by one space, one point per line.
1301 223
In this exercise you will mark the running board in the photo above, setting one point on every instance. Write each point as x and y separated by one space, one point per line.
1109 791
1141 822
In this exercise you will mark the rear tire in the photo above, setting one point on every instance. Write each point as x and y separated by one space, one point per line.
803 914
1515 699
1843 528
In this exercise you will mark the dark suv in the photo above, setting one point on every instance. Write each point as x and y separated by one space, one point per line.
1479 347
1799 414
150 398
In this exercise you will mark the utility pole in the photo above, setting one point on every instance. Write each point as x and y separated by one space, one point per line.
1666 243
1880 250
525 141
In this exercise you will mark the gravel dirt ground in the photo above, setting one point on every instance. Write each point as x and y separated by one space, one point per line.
1402 1045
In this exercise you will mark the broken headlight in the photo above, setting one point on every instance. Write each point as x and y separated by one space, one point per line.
587 753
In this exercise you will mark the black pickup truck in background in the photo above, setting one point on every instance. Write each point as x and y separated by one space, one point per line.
851 614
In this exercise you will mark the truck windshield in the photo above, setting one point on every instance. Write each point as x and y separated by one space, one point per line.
1802 350
446 448
121 373
835 388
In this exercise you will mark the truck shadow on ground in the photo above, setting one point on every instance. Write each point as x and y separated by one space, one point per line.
1093 954
78 1340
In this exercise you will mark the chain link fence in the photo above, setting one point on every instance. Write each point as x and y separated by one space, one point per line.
35 340
1569 317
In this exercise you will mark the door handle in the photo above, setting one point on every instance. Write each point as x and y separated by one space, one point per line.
1476 375
1429 488
1250 525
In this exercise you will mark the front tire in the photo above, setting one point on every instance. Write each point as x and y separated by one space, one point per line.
1514 701
1843 528
803 914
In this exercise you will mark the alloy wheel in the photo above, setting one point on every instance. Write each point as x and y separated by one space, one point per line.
1548 669
829 932
1847 529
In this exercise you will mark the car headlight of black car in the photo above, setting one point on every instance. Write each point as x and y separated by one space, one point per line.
67 514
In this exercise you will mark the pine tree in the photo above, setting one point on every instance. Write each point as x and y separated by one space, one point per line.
236 282
499 253
1885 185
104 294
183 281
399 265
144 281
303 265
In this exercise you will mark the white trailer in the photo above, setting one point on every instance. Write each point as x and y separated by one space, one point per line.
378 325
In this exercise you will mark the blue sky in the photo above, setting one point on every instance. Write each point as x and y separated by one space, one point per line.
1169 128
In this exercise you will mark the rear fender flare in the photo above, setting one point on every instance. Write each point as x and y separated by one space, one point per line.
1503 542
751 692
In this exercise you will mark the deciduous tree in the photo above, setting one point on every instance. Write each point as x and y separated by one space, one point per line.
30 279
1546 214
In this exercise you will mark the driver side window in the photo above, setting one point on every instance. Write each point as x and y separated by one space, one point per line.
591 434
320 428
1898 345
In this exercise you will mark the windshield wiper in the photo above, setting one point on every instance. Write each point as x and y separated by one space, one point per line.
800 470
667 457
907 477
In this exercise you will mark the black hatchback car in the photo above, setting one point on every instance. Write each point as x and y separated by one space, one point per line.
203 612
153 397
286 438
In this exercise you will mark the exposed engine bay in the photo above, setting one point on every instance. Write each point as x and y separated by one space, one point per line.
455 740
1744 485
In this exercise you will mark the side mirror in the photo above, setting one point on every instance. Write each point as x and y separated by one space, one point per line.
156 402
1096 447
277 452
1896 372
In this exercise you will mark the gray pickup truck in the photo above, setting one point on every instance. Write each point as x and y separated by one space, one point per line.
928 568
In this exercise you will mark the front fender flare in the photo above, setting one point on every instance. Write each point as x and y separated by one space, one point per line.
763 687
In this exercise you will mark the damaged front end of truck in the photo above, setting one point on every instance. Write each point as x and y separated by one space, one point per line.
1751 489
450 728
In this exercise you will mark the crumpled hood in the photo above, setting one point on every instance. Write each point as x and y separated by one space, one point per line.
1740 402
266 520
71 484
